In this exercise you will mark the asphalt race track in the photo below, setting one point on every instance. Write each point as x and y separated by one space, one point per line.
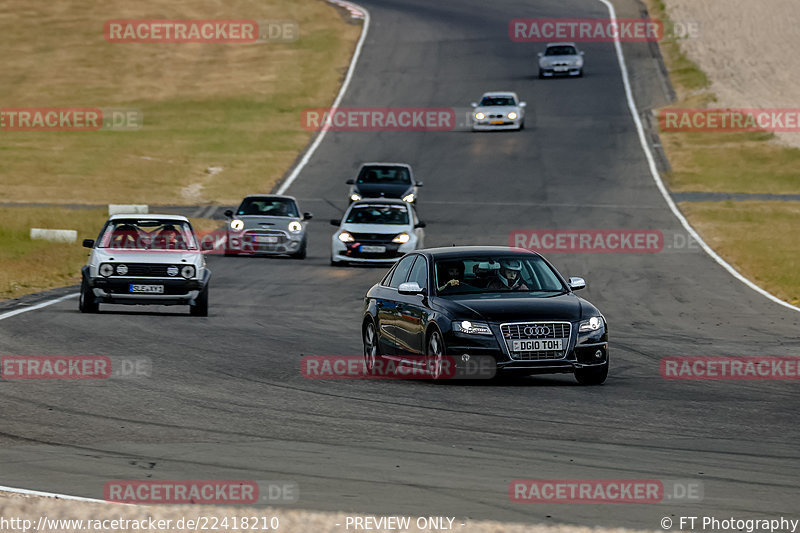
227 400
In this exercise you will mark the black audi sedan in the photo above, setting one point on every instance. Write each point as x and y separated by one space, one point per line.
476 301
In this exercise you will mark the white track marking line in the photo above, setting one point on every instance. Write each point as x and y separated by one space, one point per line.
660 184
21 310
313 148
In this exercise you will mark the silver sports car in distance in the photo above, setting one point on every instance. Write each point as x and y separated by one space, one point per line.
498 111
561 59
267 224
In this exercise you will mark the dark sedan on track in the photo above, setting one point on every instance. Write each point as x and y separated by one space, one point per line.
509 304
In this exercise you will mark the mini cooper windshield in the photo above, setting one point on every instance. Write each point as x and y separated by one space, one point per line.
268 207
148 234
504 273
378 214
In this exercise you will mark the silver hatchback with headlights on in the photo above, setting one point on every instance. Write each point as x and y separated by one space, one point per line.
267 224
498 110
145 260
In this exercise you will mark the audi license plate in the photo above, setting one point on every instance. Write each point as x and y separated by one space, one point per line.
146 289
372 249
536 345
561 69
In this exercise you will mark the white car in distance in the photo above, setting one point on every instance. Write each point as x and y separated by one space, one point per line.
498 110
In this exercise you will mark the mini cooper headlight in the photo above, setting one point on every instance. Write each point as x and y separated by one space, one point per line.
346 237
512 115
409 197
402 238
106 270
473 328
187 271
355 197
480 116
237 224
122 270
172 270
295 226
593 324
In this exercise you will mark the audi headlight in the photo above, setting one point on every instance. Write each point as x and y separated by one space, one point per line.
237 224
593 324
402 238
473 328
346 237
512 115
295 226
122 270
355 197
480 116
106 270
187 271
409 197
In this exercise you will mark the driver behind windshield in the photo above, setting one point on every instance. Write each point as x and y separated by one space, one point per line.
509 277
450 274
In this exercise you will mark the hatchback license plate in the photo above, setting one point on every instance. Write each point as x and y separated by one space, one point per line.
146 289
266 239
373 249
536 345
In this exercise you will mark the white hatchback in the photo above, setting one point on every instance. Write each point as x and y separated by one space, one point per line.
376 231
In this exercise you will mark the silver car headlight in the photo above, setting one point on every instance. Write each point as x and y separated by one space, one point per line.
472 328
355 197
480 116
593 324
187 271
237 224
106 270
295 226
512 115
346 237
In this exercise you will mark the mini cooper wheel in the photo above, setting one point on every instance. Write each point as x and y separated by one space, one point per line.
86 302
434 355
591 376
370 348
200 307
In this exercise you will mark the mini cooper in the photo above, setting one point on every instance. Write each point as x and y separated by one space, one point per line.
267 224
145 260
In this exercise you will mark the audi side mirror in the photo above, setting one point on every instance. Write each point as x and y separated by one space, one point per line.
335 222
474 104
420 224
540 54
523 104
410 288
577 284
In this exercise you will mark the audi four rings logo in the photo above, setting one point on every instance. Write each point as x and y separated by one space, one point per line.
536 331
